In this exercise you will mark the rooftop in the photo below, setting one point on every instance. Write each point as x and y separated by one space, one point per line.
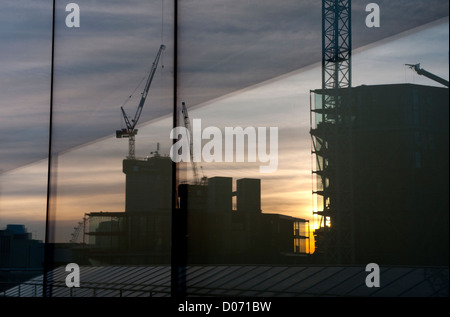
242 281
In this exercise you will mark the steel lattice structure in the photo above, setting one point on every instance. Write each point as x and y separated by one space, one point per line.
336 44
331 137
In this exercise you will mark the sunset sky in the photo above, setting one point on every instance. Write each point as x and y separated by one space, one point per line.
96 71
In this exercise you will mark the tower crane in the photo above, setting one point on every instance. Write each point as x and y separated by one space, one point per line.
187 124
130 131
423 72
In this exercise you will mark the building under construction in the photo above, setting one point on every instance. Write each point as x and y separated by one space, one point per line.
380 161
381 174
214 231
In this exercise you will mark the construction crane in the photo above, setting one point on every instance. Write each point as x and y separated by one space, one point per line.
423 72
187 124
130 131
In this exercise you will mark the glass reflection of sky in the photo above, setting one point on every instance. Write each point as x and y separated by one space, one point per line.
90 178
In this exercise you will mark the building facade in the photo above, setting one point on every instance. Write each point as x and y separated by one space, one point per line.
381 175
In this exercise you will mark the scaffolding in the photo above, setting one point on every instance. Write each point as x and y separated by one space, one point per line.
332 172
105 229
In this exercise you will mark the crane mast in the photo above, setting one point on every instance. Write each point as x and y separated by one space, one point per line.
130 131
332 138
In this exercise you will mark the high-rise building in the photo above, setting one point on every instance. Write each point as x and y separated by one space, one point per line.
148 184
381 174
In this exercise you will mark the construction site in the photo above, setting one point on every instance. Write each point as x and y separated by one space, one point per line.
380 195
213 231
209 229
381 175
380 182
380 153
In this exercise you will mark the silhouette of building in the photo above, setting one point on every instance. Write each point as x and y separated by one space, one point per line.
218 234
141 234
381 174
215 233
18 249
148 184
21 257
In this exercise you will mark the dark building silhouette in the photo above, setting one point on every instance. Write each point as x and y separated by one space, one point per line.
21 257
213 232
381 174
18 249
248 195
148 184
244 235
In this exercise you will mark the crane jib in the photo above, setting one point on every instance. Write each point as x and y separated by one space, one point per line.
131 125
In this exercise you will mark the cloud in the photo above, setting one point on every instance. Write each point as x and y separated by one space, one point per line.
223 47
96 67
229 46
234 58
90 177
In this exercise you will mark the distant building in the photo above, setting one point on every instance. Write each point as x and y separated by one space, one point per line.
21 257
148 184
18 249
218 234
215 233
381 174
